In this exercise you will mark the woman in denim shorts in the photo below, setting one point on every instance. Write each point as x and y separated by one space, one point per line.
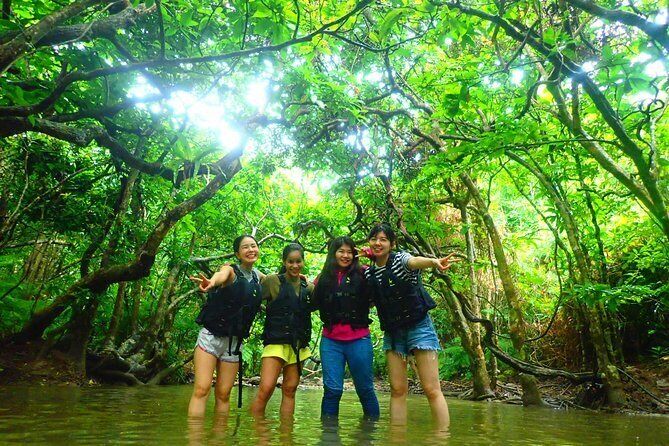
403 304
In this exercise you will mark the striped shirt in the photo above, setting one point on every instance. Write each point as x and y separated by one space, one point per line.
399 267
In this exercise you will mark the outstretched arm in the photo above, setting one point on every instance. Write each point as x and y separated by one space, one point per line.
221 278
441 264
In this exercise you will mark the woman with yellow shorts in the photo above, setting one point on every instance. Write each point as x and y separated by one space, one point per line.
287 331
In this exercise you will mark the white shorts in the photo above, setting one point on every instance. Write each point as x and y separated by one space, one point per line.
219 346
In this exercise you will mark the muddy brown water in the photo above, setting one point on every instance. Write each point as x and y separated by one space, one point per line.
157 415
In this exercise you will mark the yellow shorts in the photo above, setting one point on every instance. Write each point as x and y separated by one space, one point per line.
285 352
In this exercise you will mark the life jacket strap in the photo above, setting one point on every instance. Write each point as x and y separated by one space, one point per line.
241 374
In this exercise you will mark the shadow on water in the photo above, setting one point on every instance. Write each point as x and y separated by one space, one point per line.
157 415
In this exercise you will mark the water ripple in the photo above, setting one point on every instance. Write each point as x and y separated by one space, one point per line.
157 415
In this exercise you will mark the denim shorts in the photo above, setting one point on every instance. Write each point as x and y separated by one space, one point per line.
419 336
218 346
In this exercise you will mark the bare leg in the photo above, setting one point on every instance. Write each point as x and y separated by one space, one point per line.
399 387
225 379
269 373
291 379
427 362
204 364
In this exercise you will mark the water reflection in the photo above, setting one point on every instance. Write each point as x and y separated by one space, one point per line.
362 434
195 431
158 416
286 425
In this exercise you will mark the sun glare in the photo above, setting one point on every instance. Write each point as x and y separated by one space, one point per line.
208 113
655 69
257 94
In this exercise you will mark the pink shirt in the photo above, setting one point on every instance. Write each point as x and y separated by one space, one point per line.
344 332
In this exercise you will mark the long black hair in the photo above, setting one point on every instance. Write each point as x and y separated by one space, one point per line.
328 274
290 247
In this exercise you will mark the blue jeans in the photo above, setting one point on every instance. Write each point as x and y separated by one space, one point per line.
358 355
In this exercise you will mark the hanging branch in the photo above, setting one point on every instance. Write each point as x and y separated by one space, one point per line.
79 76
558 304
647 188
399 212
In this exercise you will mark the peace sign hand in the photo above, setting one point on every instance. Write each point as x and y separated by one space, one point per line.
445 262
202 282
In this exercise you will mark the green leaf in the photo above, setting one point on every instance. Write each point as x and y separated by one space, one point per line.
550 36
607 52
263 12
389 21
7 25
639 82
186 18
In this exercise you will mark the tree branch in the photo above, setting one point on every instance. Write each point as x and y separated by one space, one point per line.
655 31
27 38
78 76
106 28
140 266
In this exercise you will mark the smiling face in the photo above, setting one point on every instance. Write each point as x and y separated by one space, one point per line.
248 251
344 256
293 263
381 245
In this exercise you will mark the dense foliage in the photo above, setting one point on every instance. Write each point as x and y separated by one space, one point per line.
139 138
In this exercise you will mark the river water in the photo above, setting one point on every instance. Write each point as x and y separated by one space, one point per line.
157 415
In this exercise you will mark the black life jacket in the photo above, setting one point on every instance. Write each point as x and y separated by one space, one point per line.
288 317
230 310
399 303
345 303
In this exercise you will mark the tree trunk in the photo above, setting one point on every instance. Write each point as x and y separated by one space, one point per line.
531 394
470 332
598 335
154 331
615 396
81 326
137 289
117 313
472 346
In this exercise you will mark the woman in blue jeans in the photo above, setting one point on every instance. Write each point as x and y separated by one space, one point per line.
342 298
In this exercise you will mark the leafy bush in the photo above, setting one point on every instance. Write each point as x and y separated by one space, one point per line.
453 361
